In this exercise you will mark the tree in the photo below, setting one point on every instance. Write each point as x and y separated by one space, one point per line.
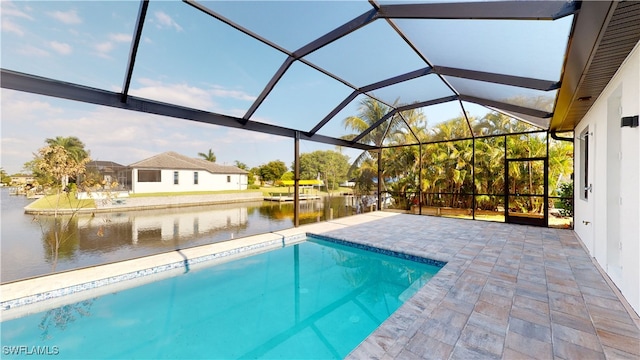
370 112
566 202
241 165
57 164
75 149
331 166
209 156
287 176
253 173
74 146
4 177
393 129
273 170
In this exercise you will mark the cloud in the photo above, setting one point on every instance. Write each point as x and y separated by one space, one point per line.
30 50
9 9
9 26
191 96
61 48
68 17
24 107
104 47
165 20
120 37
10 12
20 136
219 91
179 94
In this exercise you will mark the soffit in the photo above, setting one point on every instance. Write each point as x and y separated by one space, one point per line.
619 36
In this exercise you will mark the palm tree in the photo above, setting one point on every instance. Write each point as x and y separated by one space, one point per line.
393 130
210 156
74 146
369 113
560 164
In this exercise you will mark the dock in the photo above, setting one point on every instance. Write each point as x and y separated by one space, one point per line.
289 197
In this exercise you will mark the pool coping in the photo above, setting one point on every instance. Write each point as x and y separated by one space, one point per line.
38 294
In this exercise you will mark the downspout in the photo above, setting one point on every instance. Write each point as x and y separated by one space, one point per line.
554 135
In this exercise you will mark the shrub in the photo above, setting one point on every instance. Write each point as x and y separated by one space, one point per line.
566 202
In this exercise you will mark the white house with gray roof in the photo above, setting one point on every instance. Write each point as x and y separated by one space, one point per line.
172 172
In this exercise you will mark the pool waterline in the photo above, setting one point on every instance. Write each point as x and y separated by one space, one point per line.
295 240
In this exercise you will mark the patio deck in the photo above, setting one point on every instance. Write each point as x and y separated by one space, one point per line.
507 291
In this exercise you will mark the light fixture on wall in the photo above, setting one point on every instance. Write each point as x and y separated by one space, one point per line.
631 121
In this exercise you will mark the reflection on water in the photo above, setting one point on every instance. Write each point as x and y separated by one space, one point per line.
87 240
61 317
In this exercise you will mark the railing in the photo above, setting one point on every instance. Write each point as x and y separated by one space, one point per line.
479 206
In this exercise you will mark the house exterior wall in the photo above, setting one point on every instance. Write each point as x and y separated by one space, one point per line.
608 221
206 182
22 180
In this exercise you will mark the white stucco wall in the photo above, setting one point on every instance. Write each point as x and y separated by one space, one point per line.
608 222
206 182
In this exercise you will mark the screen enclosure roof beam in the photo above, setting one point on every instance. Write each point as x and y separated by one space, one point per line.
368 88
403 108
519 81
43 86
507 107
142 13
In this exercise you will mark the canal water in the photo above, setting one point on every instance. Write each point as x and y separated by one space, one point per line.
27 242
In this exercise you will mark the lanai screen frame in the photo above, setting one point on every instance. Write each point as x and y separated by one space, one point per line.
502 10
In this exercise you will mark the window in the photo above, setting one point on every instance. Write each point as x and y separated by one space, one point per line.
149 176
584 164
195 178
228 178
175 178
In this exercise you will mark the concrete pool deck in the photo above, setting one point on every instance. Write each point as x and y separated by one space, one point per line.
507 291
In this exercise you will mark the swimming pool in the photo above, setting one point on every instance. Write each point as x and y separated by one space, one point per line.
315 299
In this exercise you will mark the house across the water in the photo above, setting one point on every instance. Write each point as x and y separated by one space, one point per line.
107 172
22 179
172 172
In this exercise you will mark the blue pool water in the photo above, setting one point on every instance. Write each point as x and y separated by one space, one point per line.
316 299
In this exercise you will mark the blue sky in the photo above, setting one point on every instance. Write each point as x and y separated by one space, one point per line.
190 59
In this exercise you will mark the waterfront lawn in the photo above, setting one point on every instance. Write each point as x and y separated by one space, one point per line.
67 202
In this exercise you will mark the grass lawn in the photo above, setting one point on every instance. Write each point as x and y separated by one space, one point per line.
67 201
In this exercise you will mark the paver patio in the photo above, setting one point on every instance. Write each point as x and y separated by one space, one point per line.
507 291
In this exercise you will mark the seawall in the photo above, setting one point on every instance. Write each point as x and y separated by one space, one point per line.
157 202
